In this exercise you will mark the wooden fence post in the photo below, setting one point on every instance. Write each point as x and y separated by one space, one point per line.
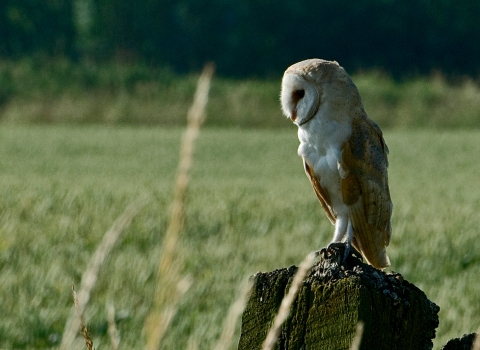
333 299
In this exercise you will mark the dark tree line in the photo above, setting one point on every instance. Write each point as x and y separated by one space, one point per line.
249 37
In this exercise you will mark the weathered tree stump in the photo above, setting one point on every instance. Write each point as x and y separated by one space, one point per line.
333 299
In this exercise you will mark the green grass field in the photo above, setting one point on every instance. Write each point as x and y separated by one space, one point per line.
250 208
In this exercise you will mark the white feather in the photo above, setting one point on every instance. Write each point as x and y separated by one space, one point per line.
321 138
321 145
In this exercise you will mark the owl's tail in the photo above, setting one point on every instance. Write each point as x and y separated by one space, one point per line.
374 253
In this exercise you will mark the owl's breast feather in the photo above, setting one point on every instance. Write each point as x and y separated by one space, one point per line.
323 158
321 146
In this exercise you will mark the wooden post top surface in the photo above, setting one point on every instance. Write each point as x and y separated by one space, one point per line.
334 297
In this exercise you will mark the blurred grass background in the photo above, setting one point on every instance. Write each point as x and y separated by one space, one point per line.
249 208
59 91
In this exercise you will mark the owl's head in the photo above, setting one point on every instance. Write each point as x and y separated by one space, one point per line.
307 85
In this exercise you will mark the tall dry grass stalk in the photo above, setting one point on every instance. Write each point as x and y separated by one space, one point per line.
169 279
192 343
113 332
287 302
476 341
83 327
235 311
357 339
90 276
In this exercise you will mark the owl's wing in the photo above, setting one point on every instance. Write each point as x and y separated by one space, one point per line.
365 191
321 194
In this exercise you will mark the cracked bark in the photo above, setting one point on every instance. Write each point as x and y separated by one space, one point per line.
333 298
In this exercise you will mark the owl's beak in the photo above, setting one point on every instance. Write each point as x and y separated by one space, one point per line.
293 116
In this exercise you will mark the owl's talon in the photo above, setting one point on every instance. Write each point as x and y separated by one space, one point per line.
342 250
336 249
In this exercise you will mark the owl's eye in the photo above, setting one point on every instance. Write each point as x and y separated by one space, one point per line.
297 95
300 93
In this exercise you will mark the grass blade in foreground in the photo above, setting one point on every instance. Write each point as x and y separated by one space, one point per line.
169 279
235 311
476 341
287 302
112 327
357 339
84 329
89 278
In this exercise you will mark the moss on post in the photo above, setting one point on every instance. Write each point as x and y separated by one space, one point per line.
334 297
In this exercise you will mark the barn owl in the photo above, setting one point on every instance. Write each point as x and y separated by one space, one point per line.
344 155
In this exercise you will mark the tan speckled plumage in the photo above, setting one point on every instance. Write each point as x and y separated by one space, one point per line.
344 154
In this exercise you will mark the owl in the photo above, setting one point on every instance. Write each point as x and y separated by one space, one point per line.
344 155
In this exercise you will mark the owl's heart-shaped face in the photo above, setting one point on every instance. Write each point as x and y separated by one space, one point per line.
300 99
318 88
